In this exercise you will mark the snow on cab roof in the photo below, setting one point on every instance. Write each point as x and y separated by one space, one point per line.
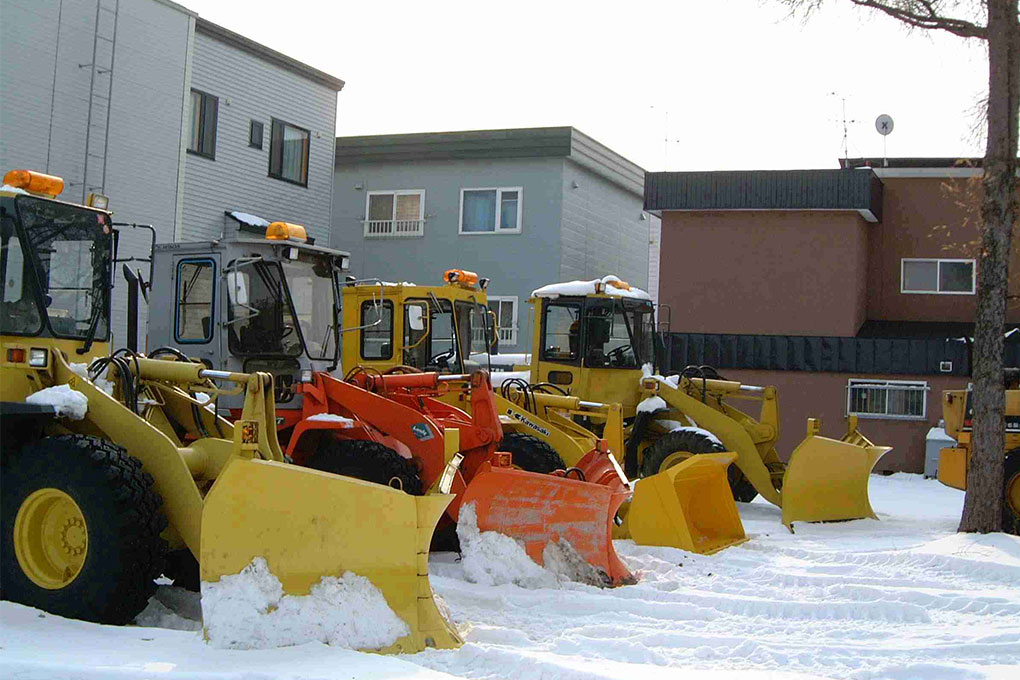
248 218
592 287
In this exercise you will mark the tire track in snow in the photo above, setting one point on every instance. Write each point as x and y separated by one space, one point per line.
860 599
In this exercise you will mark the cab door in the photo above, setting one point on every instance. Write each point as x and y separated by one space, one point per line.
557 344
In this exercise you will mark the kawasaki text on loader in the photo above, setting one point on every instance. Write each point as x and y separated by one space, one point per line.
92 500
266 298
448 328
594 339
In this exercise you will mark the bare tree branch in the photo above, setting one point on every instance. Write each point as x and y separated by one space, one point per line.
924 14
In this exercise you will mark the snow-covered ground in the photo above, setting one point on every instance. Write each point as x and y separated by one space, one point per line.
900 598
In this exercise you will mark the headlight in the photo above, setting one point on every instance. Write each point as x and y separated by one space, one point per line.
306 376
37 357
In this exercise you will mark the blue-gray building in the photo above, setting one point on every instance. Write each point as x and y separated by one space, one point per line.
521 207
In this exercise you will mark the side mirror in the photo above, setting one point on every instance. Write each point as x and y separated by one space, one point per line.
415 318
237 290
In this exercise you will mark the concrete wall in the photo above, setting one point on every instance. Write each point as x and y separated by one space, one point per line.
923 218
516 263
602 232
823 395
44 111
238 178
786 273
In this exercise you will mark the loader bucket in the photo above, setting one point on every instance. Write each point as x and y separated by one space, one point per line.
542 511
687 506
308 524
826 480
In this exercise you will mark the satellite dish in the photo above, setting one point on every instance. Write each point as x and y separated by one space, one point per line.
884 124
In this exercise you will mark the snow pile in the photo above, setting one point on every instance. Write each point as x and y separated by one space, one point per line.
100 382
249 219
249 610
492 559
554 290
66 401
13 189
331 418
652 404
172 608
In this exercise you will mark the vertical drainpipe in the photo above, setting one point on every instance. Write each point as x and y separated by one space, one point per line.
185 129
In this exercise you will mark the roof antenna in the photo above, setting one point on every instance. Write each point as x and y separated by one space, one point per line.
846 134
884 125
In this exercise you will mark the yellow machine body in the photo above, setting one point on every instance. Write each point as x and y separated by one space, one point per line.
551 418
956 412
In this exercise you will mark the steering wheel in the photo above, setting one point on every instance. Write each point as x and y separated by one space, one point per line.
615 356
442 359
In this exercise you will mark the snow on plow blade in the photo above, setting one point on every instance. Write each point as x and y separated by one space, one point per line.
554 517
826 479
309 524
687 506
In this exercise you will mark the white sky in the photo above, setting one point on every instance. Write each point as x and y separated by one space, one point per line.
745 87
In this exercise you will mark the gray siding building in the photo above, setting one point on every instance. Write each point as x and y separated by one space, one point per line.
101 93
521 207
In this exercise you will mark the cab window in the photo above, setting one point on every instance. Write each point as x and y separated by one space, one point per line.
18 311
561 330
377 329
195 301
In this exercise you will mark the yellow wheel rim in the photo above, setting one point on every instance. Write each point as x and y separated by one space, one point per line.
50 538
1013 494
674 459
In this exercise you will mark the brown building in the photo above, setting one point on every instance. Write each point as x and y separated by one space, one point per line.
852 290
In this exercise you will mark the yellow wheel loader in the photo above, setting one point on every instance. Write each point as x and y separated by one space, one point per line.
449 328
108 459
594 340
958 412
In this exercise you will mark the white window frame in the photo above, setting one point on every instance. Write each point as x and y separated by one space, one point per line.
939 260
507 335
499 209
912 385
393 228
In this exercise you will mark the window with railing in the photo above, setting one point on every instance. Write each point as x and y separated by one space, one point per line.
896 399
395 213
505 309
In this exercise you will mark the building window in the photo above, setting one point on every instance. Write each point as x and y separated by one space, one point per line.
490 211
288 153
938 276
203 124
255 135
504 307
195 299
395 213
896 399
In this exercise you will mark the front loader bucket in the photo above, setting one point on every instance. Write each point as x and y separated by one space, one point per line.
687 506
826 479
309 524
542 511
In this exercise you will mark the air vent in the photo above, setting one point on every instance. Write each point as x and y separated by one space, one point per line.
946 366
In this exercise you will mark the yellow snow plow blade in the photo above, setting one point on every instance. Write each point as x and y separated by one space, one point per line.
687 506
308 524
826 479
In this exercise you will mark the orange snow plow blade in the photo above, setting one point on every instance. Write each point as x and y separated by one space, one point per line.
556 518
687 506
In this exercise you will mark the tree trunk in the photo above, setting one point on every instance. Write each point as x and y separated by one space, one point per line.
982 508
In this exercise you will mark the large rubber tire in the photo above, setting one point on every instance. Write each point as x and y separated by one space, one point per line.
123 552
367 460
1011 504
530 453
690 441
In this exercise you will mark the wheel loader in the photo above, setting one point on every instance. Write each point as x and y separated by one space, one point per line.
267 298
594 339
958 412
448 328
110 459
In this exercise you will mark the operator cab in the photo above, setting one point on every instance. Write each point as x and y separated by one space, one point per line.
56 262
446 329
